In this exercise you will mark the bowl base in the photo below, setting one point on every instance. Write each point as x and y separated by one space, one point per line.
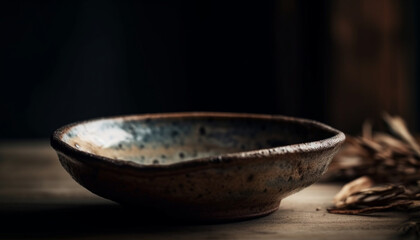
204 215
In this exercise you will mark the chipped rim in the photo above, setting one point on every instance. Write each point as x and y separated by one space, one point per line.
64 148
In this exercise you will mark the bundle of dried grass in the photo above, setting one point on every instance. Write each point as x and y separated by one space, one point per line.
361 197
385 157
386 167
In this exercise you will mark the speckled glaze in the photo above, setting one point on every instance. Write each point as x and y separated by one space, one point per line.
211 166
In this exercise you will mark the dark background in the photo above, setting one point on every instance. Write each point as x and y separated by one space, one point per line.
64 61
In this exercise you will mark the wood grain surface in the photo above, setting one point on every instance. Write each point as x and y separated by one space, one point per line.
39 200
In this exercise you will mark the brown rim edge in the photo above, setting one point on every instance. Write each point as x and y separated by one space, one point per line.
89 158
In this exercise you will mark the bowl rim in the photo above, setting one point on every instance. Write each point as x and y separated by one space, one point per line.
64 148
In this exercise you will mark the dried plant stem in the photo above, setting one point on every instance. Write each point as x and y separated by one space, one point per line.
385 173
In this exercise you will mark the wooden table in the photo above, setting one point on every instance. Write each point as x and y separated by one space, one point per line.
38 199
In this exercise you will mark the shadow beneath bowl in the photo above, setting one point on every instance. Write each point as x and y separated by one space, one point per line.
23 220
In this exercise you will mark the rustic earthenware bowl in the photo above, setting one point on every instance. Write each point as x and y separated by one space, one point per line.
214 166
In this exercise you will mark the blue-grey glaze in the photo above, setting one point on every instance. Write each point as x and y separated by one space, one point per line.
166 141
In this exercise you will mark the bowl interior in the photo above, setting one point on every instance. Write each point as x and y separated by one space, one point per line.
173 139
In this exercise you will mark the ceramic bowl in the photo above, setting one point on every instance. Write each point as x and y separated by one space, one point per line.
213 166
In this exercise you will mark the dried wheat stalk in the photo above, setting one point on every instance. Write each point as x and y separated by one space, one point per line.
386 169
381 156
